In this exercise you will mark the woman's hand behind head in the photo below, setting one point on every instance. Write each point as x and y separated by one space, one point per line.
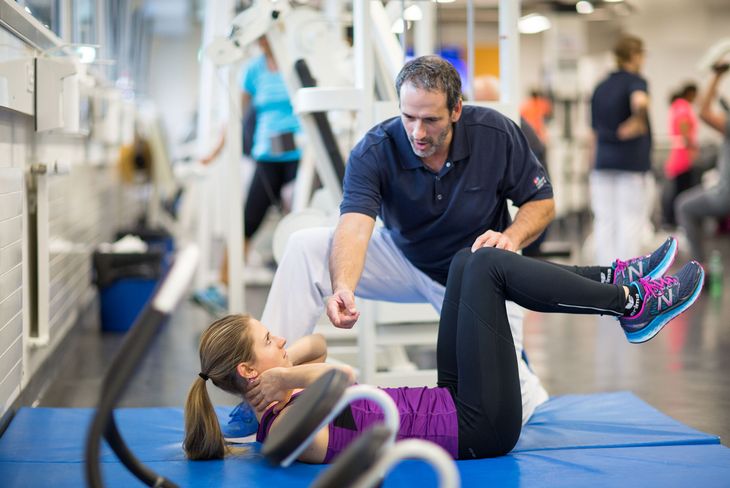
267 388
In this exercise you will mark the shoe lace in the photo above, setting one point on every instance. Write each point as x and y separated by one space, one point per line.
622 265
656 287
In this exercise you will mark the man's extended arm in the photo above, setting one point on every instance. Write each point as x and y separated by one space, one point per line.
531 220
347 260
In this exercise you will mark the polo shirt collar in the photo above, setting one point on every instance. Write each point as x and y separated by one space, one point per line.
459 144
460 141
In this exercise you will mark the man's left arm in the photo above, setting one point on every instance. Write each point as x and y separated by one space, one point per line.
532 218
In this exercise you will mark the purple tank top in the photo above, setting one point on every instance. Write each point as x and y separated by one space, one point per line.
268 418
425 413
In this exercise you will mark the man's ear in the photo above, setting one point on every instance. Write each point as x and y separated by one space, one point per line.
456 113
245 371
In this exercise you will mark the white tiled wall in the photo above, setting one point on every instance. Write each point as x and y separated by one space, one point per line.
11 282
14 145
84 207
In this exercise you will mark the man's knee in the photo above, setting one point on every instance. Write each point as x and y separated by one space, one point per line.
461 257
310 243
489 256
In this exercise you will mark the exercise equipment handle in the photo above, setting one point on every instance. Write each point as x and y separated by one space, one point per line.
123 366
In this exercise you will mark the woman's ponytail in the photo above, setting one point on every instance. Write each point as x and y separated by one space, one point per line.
203 436
223 345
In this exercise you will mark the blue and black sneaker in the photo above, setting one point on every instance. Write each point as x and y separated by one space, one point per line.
241 422
662 300
651 266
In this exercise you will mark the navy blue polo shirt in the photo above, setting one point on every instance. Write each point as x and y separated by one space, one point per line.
611 105
431 216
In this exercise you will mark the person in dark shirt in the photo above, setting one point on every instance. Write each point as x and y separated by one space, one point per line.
620 198
439 177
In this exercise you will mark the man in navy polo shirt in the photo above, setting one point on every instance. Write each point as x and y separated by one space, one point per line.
439 177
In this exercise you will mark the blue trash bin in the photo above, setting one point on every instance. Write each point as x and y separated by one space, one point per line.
126 282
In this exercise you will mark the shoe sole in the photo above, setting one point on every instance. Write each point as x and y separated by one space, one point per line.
653 329
664 265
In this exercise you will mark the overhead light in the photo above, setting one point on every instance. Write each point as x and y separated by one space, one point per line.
533 23
584 7
613 1
444 1
413 13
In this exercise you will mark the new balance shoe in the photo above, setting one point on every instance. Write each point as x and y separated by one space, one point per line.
241 422
651 266
662 300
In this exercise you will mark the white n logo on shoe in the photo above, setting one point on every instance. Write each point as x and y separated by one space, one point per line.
665 299
636 272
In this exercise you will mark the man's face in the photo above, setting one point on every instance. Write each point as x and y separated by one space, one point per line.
426 119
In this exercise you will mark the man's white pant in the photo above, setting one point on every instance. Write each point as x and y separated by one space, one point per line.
302 285
621 210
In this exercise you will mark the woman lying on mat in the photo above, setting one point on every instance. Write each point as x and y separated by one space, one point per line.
475 412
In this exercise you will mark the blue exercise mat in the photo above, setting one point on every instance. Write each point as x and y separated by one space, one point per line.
618 419
705 466
604 439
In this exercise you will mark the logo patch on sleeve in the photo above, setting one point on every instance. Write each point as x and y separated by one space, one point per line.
539 181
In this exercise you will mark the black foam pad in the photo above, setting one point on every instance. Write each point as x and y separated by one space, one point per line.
322 123
356 460
304 415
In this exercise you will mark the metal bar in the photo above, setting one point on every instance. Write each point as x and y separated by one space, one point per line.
234 239
25 27
470 49
122 368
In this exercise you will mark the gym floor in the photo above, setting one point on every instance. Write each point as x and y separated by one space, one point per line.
682 372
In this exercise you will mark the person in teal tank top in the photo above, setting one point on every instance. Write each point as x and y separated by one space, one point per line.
275 135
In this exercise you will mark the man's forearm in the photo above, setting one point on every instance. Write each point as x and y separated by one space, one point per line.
638 121
349 247
531 219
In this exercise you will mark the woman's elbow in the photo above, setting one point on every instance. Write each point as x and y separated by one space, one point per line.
349 372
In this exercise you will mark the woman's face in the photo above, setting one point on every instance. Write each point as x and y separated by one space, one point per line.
268 349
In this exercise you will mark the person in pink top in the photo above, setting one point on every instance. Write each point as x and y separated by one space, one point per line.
678 168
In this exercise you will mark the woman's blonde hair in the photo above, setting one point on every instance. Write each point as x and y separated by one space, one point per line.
224 344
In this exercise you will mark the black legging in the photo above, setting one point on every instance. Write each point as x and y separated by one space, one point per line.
265 190
476 353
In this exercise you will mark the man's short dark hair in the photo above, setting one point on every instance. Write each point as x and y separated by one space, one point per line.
432 73
626 47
